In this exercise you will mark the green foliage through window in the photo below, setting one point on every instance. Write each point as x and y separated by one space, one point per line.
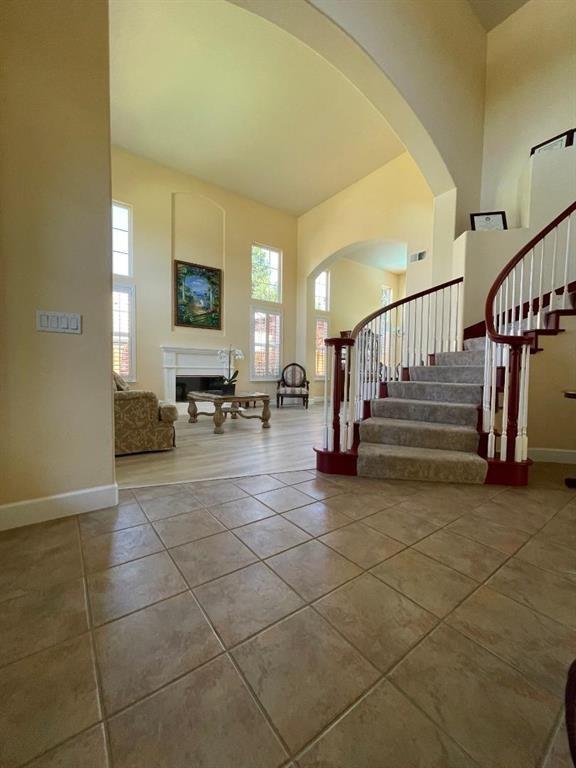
266 265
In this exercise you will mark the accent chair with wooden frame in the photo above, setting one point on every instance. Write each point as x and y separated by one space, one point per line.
293 383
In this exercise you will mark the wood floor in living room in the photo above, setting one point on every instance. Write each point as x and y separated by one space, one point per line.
244 449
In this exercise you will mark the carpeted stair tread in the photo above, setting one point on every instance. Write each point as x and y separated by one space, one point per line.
476 344
420 434
446 392
460 358
456 374
426 410
407 463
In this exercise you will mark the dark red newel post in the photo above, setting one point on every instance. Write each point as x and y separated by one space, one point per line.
338 385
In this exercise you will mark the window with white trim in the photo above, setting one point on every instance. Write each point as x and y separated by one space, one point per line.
321 333
322 292
266 331
385 296
123 331
123 294
121 239
266 273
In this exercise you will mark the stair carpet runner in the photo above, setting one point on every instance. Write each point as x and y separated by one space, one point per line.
426 429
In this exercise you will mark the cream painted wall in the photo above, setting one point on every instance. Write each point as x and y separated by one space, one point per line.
394 203
479 256
149 188
530 96
551 372
56 415
355 291
434 53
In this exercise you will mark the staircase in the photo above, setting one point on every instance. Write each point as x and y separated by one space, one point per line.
427 427
406 398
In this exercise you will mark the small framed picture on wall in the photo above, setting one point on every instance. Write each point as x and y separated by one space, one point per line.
565 139
488 220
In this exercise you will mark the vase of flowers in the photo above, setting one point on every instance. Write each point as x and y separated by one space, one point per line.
229 356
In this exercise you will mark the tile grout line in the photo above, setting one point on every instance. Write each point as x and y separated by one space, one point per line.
97 671
307 604
230 657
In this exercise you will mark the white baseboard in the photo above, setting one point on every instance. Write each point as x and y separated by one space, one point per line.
555 455
61 505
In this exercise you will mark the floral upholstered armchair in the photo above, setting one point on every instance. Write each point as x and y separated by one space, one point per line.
141 423
293 384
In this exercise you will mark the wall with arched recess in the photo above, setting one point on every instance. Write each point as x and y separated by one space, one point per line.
392 204
422 65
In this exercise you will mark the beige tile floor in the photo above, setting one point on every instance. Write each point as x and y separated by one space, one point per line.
288 620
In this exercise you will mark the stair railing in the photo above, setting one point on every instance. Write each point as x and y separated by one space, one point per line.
536 281
381 349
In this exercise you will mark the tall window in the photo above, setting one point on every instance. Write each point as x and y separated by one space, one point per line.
321 332
121 240
322 292
123 294
266 335
123 331
385 296
266 273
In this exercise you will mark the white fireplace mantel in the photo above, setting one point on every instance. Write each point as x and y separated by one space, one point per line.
189 361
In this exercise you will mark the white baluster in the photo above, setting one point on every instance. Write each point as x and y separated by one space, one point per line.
530 290
391 356
521 444
513 304
553 276
565 283
442 319
449 289
541 289
506 307
493 399
521 300
434 333
486 387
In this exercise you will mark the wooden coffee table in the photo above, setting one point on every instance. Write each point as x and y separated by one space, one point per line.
229 404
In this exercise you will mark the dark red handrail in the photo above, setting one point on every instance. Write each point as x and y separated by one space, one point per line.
518 341
358 327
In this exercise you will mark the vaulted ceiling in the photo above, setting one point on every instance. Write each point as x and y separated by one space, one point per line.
217 92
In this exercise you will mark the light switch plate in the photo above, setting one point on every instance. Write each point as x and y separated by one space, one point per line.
58 322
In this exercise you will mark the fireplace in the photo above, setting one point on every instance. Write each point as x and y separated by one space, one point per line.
185 384
196 369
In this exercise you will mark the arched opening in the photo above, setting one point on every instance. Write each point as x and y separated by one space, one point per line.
346 286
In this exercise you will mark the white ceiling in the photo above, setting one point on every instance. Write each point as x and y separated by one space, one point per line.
379 254
217 92
493 12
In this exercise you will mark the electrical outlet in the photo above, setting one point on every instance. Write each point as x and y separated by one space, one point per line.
58 322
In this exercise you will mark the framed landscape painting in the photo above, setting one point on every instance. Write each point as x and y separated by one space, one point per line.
197 296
